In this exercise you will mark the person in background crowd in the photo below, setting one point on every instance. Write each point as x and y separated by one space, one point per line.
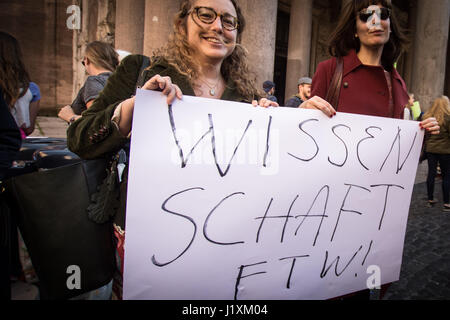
304 93
100 60
438 151
21 95
407 112
269 88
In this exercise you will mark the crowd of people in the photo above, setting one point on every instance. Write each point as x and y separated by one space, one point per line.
204 57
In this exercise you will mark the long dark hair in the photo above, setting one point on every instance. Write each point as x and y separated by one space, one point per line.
343 38
13 74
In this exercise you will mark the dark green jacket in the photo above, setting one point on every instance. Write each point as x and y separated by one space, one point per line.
440 143
94 134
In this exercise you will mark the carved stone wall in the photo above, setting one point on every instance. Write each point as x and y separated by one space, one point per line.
46 42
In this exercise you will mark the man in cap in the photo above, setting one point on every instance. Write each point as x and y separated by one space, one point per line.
269 88
304 93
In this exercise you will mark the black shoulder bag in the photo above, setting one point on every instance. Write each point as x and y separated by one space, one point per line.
64 209
335 85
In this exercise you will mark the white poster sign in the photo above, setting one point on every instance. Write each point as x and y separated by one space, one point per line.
229 201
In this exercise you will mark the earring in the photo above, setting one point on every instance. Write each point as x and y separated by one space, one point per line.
356 35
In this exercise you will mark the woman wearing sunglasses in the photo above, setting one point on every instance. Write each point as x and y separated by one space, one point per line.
368 41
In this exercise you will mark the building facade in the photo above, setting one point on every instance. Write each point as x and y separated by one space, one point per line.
286 39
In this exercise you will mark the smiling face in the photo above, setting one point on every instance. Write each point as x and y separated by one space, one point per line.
375 31
211 43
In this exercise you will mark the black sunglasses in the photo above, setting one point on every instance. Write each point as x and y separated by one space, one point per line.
383 13
82 62
209 15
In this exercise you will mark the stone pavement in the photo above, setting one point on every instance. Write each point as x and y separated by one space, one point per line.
425 273
52 127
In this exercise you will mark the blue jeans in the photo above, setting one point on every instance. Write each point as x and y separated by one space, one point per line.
444 162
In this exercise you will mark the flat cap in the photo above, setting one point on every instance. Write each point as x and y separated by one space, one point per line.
304 80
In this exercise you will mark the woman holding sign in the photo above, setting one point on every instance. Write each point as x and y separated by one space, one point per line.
361 77
202 58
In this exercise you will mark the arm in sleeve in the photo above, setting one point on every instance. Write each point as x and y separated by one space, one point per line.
92 89
94 134
10 139
35 91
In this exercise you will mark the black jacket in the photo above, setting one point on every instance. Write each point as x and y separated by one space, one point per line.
10 139
294 102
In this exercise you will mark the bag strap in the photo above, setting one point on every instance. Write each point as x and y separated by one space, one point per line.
141 79
335 85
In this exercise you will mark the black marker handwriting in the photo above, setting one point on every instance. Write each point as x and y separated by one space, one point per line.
322 216
345 210
209 215
213 144
398 140
385 198
357 147
159 264
345 145
267 142
294 259
240 276
324 271
317 146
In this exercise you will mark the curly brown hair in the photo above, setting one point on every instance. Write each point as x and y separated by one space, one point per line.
14 78
177 53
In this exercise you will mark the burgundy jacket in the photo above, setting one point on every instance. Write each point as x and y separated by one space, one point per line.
364 89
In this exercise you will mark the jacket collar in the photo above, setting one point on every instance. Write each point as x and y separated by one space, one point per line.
351 62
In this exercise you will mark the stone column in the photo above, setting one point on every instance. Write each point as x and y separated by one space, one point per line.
130 18
259 36
158 23
430 50
80 40
106 21
447 73
300 28
409 55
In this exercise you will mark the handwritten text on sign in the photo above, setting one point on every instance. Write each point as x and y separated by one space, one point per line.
229 201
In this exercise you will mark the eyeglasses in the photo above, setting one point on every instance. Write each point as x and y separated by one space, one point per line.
83 63
209 15
383 13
